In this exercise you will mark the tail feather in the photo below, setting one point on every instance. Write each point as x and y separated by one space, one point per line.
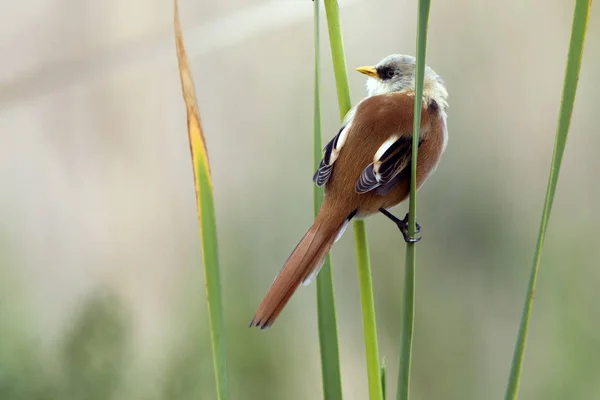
300 266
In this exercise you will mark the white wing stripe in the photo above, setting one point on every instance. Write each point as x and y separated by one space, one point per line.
384 147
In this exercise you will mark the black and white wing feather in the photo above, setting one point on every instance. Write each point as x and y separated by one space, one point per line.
332 151
393 156
330 154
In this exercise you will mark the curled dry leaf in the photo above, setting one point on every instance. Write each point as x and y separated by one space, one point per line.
195 133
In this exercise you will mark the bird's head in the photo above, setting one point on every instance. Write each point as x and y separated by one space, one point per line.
396 73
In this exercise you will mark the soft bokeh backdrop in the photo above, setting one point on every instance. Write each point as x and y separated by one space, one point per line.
101 284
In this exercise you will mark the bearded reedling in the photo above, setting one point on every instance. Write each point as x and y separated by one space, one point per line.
366 168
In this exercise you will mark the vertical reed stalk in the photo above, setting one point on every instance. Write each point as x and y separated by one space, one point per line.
328 336
360 234
408 300
574 57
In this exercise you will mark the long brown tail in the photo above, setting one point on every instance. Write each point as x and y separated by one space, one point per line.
306 257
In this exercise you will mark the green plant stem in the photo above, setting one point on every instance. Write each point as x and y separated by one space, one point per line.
337 53
327 322
360 235
383 378
368 311
407 328
408 301
578 31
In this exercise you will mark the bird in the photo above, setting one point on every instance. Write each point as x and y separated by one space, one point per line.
366 168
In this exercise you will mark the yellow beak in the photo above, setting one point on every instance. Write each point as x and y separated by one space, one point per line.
370 71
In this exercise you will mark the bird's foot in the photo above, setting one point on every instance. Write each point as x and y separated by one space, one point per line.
403 226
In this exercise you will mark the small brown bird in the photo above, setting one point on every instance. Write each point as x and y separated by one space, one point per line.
366 168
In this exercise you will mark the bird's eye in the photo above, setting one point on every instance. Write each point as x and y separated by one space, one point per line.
386 73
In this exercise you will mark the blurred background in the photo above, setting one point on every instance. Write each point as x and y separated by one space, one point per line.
101 282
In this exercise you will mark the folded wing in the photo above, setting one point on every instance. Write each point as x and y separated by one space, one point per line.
393 156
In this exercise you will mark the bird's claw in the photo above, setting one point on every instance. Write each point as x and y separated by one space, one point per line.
406 235
403 226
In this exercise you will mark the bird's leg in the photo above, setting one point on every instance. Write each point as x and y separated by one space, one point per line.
403 226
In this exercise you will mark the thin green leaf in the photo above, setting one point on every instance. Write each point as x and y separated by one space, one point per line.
206 214
574 57
360 234
408 300
328 335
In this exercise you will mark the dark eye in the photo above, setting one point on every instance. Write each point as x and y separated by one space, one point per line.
390 73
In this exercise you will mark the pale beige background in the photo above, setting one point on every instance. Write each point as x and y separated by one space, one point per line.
97 191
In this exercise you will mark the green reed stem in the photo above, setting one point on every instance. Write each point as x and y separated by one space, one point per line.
360 234
327 320
574 57
408 299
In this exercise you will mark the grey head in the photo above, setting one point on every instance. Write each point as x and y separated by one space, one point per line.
396 73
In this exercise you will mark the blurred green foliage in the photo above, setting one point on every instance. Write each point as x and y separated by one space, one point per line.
90 363
94 351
